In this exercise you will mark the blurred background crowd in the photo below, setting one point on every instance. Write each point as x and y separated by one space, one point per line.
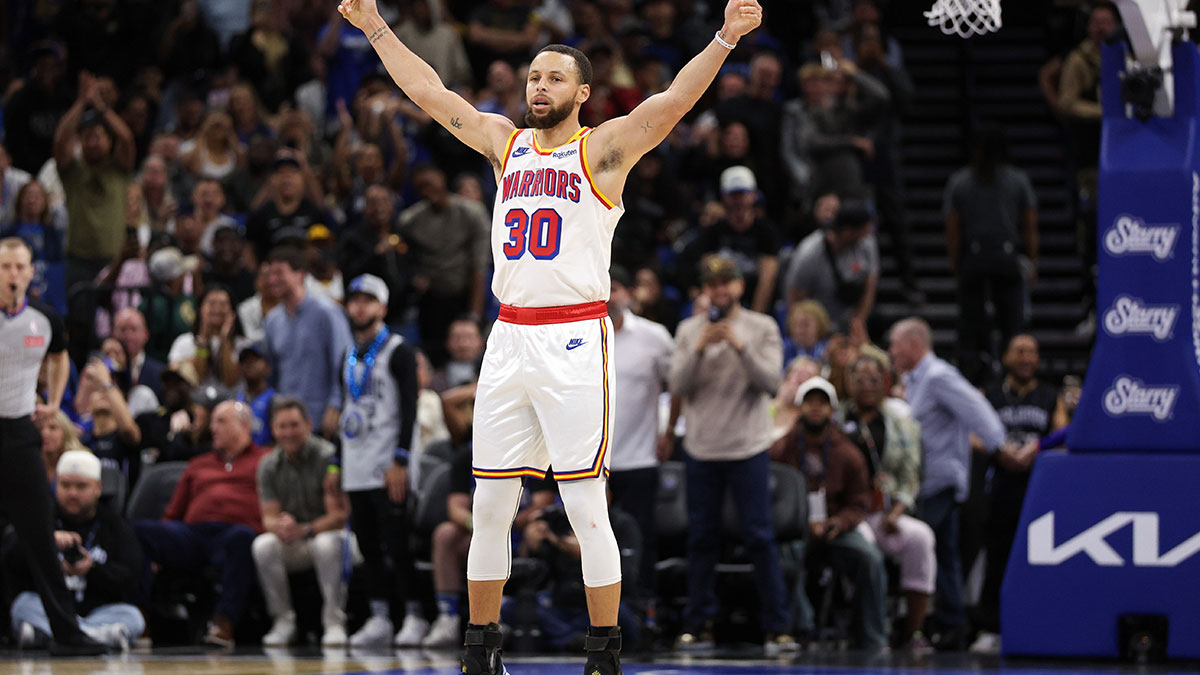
202 180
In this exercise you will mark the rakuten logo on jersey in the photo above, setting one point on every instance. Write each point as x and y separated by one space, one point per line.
1132 236
1129 396
1129 316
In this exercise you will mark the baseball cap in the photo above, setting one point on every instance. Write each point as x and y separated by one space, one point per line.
853 214
717 268
738 179
620 275
319 232
285 161
80 463
817 384
255 348
168 264
369 284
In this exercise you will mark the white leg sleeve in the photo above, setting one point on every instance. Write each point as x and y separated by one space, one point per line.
493 509
587 507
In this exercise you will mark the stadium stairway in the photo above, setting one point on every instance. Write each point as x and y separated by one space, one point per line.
959 83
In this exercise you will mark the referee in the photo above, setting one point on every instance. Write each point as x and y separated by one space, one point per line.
29 331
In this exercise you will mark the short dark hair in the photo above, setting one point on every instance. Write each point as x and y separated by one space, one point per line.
291 255
282 403
582 63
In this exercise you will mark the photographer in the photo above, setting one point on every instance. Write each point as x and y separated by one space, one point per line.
100 558
725 368
562 607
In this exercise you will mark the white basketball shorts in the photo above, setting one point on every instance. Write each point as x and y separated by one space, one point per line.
545 395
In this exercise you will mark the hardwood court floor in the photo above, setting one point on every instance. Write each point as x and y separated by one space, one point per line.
314 662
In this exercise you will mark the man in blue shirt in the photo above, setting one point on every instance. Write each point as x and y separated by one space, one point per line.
948 409
306 337
256 392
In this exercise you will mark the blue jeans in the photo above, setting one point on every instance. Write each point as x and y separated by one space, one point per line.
750 481
941 512
861 562
28 608
192 548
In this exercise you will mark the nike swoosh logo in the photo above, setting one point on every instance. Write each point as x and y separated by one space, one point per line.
574 344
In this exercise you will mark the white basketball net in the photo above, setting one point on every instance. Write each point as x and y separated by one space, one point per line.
965 17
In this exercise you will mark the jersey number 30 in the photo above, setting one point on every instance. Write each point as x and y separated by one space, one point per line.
541 240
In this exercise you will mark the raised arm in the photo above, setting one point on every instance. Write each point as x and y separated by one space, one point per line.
627 138
485 133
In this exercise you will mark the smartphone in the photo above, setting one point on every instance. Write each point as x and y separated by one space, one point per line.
828 62
715 314
73 555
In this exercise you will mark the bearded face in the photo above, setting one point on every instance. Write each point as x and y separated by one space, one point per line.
547 115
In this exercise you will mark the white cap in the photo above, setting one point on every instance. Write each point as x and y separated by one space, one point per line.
371 285
817 384
738 179
168 264
79 463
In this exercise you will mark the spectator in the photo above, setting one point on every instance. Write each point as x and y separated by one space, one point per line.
786 412
166 305
253 310
208 200
33 111
654 209
991 217
129 326
255 392
249 185
650 302
101 559
890 440
139 397
839 496
305 340
246 114
749 240
808 329
501 30
173 430
838 267
1030 410
562 607
760 108
375 247
431 419
210 349
324 279
452 540
158 204
437 43
96 182
59 436
725 366
380 410
217 152
304 525
287 215
228 265
501 94
348 57
464 346
44 229
948 408
12 180
188 47
642 350
114 436
269 59
884 168
213 518
451 245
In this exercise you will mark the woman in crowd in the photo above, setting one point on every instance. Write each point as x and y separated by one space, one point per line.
808 331
210 349
58 436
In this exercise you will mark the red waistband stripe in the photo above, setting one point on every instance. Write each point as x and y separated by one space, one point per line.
534 316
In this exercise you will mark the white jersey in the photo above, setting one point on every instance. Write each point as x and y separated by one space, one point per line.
552 229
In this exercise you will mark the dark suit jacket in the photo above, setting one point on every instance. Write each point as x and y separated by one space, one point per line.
151 375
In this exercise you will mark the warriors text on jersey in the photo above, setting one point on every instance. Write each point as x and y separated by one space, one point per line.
552 228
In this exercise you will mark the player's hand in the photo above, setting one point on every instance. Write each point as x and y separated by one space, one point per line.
358 12
741 17
397 483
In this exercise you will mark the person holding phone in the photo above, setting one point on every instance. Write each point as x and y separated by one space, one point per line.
726 367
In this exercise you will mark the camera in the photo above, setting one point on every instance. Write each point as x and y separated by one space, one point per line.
73 555
556 519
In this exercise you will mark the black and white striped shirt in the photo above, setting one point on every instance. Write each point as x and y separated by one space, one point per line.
25 339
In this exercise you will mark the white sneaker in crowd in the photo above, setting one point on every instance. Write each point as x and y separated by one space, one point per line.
376 632
412 631
282 632
986 643
445 632
334 636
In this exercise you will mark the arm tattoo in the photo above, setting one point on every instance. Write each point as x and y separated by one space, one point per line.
646 128
377 35
454 122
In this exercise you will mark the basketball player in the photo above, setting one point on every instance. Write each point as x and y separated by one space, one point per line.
544 396
29 331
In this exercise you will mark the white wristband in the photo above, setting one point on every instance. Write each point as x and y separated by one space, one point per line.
726 45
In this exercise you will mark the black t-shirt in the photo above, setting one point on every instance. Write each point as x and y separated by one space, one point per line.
743 247
268 228
1025 418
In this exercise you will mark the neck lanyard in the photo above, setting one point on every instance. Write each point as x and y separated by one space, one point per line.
356 386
